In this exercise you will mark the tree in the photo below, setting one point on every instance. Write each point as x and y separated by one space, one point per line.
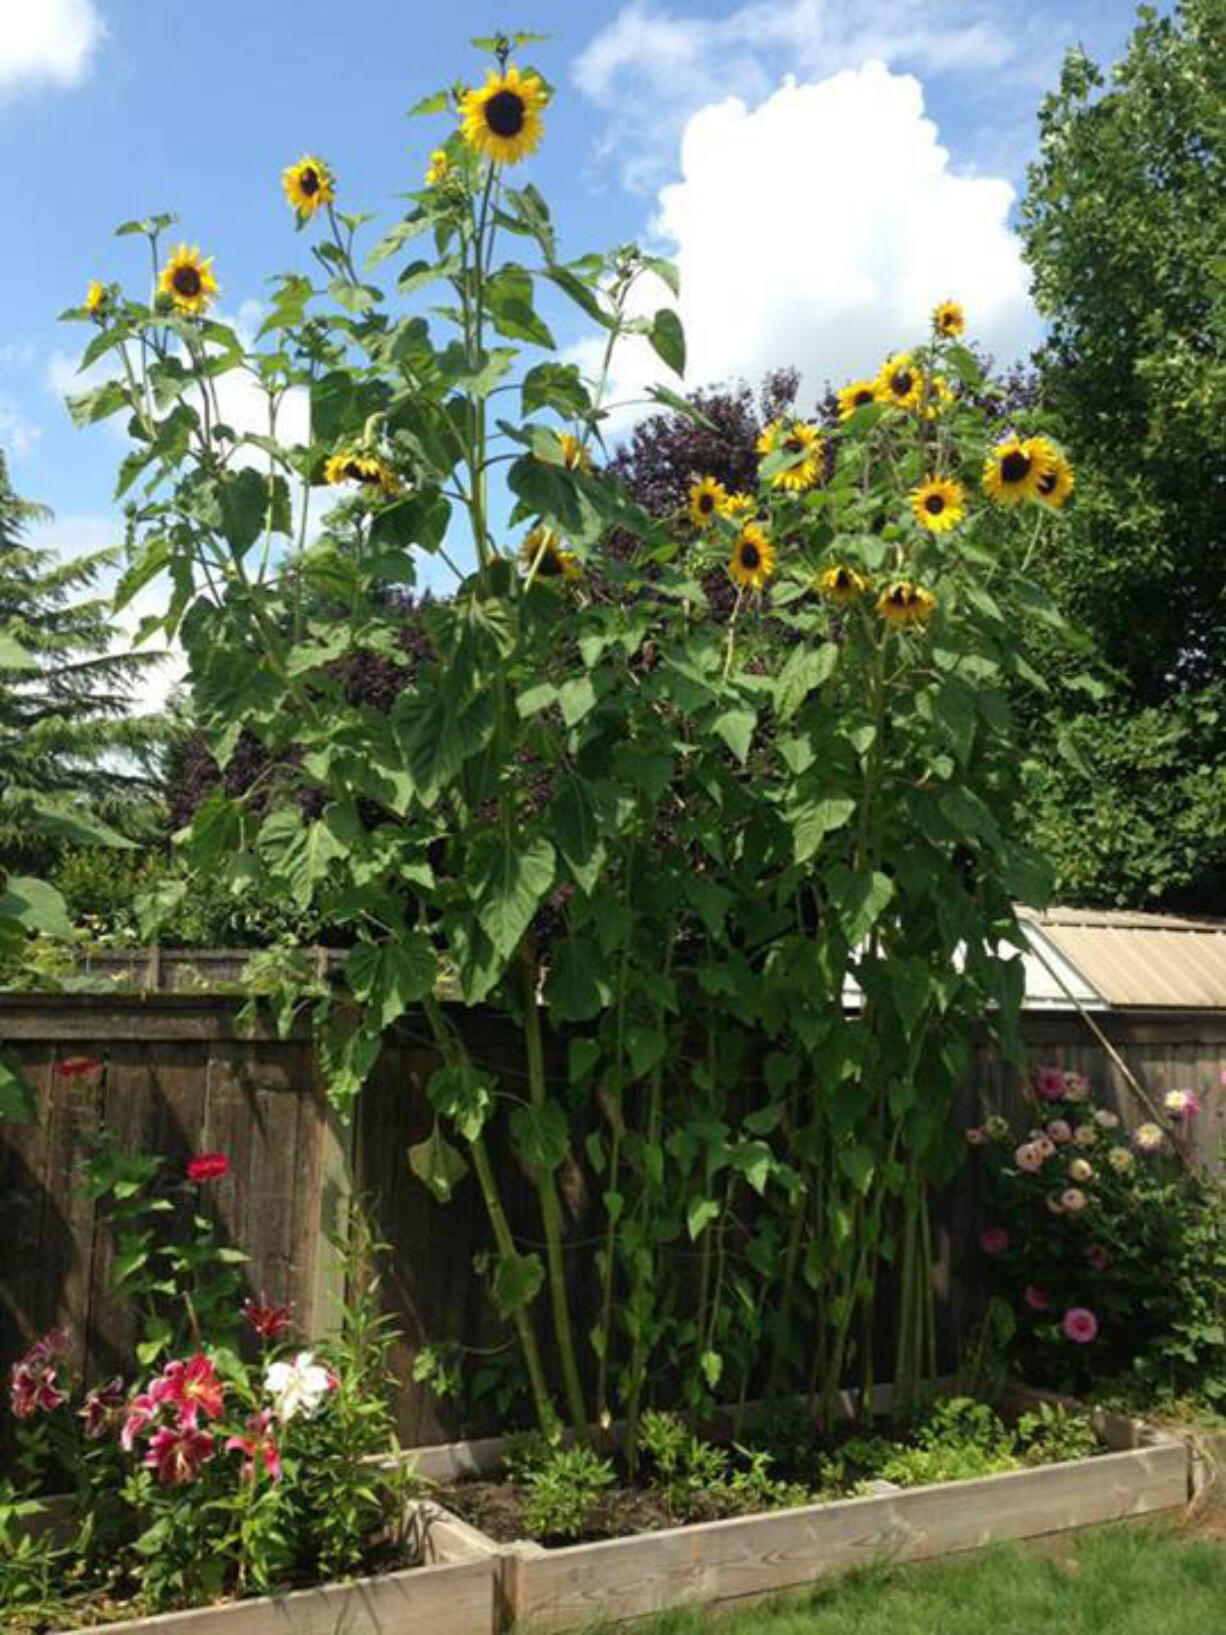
1124 225
68 741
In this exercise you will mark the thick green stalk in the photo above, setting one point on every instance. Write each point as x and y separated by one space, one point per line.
547 1194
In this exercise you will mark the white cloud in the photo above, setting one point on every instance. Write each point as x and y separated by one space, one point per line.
18 433
834 265
651 68
47 41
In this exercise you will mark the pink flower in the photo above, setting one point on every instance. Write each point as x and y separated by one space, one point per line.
976 1137
1028 1158
259 1447
1073 1200
1080 1171
102 1406
1044 1146
1080 1325
142 1411
1035 1297
193 1388
1148 1138
1181 1103
1106 1120
268 1321
1048 1083
177 1453
208 1166
32 1381
1076 1087
1098 1256
994 1241
76 1067
1060 1131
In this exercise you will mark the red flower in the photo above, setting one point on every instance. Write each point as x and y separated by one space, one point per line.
76 1067
1049 1083
1035 1297
268 1321
208 1166
192 1387
994 1241
1080 1325
102 1405
32 1384
177 1454
260 1447
142 1410
1099 1256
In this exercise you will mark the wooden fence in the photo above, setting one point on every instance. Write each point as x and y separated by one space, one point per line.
177 1078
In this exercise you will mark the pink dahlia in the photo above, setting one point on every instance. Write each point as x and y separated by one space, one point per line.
1048 1083
1080 1325
1035 1297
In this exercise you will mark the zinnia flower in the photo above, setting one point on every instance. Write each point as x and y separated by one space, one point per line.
1048 1083
298 1387
802 441
187 280
1060 1131
753 558
1098 1256
994 1240
1028 1158
939 504
996 1128
949 319
207 1166
1055 1203
1043 1145
1080 1170
1035 1297
543 555
708 499
1121 1160
1148 1138
1076 1087
308 185
976 1136
1106 1120
856 396
177 1453
259 1447
903 603
1080 1325
502 120
1181 1103
1073 1200
1085 1135
842 584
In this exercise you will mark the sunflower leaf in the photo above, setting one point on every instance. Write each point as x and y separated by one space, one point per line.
437 1164
668 339
509 887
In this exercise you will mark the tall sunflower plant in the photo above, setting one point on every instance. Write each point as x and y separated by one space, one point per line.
671 844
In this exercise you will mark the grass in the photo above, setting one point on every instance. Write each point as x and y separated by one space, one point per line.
1127 1580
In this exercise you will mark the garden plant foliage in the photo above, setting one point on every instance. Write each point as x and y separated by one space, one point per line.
670 837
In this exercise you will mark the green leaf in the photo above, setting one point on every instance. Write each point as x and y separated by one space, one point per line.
508 296
391 977
712 1365
16 1095
813 820
557 386
859 899
576 829
518 1279
35 906
806 668
510 883
86 408
680 405
465 1095
576 698
667 338
541 1135
736 728
576 989
298 853
858 1165
243 502
699 1215
437 1164
437 103
153 556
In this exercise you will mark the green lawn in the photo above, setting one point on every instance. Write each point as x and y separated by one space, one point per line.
1116 1581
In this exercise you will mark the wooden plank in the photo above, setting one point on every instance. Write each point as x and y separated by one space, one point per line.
450 1600
726 1561
32 1251
326 1219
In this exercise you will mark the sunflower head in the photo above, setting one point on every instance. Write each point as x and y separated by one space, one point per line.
187 281
858 395
502 120
949 319
900 382
1058 481
938 504
308 186
574 456
802 443
842 584
903 603
543 556
738 505
753 558
352 466
708 500
939 398
439 168
95 298
1014 469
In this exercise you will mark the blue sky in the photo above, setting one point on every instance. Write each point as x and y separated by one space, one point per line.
115 108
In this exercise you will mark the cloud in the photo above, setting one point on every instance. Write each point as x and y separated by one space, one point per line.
47 41
651 68
18 433
833 266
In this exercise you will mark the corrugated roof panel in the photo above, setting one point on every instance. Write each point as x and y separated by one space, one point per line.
1157 962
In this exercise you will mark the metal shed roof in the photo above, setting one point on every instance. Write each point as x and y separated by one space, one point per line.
1130 959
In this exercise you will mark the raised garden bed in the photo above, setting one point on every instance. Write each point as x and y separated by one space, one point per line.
474 1585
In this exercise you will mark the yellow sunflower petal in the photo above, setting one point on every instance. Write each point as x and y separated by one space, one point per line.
187 280
938 504
309 185
753 558
502 120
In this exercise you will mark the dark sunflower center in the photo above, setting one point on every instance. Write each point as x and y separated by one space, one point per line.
842 579
550 565
934 504
187 281
898 598
751 556
1015 467
1047 482
795 445
902 382
864 396
504 113
358 472
309 182
706 502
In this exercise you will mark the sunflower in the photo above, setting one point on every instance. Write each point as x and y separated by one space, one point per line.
939 397
438 168
753 559
187 280
738 505
938 504
574 456
708 500
857 396
842 584
95 298
900 382
308 184
800 440
1056 484
903 603
367 469
503 119
543 555
949 319
1014 469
